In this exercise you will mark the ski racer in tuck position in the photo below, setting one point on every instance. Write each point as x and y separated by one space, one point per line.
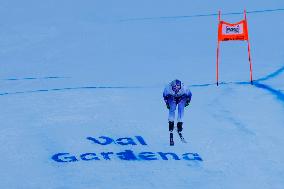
176 94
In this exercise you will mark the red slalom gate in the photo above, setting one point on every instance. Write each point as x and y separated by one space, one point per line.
232 32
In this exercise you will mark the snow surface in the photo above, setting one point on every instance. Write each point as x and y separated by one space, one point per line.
77 69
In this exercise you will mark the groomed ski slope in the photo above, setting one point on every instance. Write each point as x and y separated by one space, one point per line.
76 72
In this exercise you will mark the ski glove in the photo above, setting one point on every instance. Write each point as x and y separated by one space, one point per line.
186 103
168 105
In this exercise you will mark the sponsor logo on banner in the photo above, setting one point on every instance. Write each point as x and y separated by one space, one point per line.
231 30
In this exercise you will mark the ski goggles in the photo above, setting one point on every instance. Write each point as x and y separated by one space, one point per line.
176 88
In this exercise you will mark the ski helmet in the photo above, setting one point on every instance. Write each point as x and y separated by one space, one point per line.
176 85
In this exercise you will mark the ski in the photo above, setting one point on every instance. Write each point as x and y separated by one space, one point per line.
181 137
171 139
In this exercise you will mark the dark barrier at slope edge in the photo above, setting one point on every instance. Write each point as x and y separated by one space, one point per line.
127 155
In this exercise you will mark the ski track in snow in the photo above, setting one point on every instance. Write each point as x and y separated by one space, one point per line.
227 115
33 78
275 92
65 89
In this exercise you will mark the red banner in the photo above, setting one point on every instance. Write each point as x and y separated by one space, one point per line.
236 31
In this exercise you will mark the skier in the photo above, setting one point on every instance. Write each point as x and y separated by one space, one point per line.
176 94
